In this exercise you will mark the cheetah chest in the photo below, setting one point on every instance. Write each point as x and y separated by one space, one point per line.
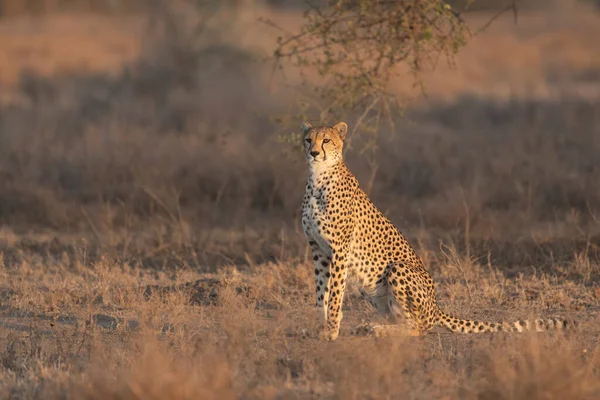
314 218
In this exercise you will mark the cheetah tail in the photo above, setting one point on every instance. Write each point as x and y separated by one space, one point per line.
457 325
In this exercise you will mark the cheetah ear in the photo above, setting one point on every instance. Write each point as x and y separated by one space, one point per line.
306 126
341 128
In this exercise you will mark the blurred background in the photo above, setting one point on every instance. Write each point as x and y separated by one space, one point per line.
151 131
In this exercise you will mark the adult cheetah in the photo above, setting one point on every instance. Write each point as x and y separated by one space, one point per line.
348 235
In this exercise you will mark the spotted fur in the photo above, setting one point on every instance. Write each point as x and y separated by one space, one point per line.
348 235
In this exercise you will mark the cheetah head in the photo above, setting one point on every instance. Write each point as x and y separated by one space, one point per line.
323 144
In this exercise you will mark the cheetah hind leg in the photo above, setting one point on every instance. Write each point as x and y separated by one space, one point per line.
384 304
413 325
400 306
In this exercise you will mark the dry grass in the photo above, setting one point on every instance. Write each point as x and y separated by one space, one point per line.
119 183
74 329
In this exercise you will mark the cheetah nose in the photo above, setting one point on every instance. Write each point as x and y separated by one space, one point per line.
314 153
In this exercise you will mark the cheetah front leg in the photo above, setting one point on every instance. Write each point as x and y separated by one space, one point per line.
337 285
321 262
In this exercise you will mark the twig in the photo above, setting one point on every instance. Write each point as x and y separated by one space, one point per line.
512 6
160 203
364 114
89 220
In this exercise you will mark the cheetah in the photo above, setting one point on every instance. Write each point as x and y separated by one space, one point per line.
350 237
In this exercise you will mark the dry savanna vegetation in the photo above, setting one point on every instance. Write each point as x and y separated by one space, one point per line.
150 245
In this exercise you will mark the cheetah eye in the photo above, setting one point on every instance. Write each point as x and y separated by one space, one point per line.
308 141
326 140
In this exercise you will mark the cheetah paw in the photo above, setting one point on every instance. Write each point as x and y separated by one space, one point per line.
328 335
377 330
367 329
